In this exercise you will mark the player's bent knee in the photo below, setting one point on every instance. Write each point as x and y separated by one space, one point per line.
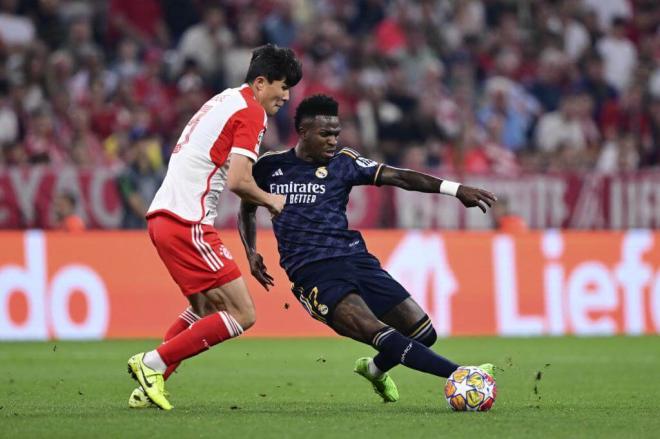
353 318
246 318
246 314
202 306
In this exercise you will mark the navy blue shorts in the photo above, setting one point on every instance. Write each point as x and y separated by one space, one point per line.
321 285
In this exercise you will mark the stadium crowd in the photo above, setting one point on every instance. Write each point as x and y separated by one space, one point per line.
464 86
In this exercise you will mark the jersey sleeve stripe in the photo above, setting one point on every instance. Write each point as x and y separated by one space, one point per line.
380 168
242 151
349 153
352 151
270 153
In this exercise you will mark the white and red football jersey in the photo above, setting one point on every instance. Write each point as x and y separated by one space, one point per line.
232 122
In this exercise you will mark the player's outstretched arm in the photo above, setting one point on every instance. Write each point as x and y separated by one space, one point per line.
241 182
419 182
247 228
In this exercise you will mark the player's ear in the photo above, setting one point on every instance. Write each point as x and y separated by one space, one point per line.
302 130
260 82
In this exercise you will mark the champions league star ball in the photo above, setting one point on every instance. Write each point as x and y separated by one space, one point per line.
470 389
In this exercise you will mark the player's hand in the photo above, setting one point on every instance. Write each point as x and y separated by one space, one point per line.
276 204
471 197
259 271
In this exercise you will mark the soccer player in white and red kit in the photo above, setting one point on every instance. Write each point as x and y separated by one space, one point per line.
215 150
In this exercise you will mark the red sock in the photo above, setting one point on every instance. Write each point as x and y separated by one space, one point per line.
183 322
201 335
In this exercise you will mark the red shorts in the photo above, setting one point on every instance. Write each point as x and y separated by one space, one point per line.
193 254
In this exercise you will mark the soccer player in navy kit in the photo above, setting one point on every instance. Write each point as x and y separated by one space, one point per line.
334 277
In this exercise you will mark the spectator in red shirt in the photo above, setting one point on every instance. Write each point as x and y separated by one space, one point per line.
66 218
506 221
141 20
152 92
42 143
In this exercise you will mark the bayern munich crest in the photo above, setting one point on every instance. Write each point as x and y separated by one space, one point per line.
225 252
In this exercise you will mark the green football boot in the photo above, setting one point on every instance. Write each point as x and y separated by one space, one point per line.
383 386
488 368
150 380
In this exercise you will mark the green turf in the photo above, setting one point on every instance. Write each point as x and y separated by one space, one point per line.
602 387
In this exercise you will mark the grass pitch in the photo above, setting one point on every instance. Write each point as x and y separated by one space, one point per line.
305 388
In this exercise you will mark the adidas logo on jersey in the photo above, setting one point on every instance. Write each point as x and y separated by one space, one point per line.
277 173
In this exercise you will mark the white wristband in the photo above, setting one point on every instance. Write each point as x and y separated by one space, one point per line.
449 187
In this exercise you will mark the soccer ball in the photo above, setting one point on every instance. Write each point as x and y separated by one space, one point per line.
470 389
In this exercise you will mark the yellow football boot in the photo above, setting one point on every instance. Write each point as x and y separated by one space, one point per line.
151 381
140 400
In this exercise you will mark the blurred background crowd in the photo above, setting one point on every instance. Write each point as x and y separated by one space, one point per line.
462 86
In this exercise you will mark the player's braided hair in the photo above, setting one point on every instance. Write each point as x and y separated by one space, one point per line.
274 63
315 105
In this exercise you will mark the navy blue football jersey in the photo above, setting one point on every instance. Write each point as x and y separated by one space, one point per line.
313 225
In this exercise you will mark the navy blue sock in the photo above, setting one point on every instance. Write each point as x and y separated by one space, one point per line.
421 331
396 347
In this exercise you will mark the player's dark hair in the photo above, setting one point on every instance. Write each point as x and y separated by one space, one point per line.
274 63
316 105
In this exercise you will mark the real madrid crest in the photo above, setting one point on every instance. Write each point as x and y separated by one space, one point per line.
321 172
